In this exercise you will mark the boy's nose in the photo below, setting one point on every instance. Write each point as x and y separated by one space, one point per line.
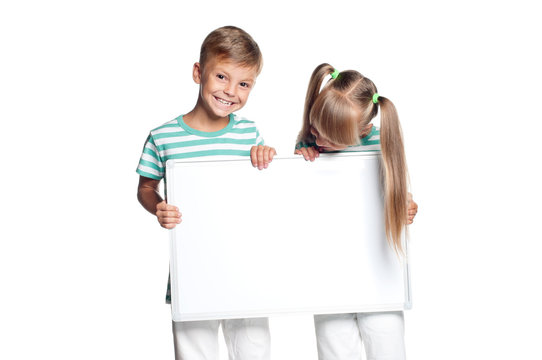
230 90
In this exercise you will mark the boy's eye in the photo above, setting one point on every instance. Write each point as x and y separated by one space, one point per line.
244 84
220 76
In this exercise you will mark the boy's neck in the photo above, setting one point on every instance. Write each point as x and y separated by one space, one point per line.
199 119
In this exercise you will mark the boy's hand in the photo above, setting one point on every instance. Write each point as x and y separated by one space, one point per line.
168 215
261 156
412 209
309 153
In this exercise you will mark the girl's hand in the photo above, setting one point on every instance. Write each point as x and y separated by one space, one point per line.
412 209
261 156
168 215
309 153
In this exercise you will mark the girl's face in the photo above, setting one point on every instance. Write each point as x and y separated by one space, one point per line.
324 143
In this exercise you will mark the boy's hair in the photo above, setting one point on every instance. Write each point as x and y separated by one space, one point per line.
233 44
340 111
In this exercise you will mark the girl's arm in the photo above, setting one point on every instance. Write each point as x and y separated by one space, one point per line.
148 195
309 153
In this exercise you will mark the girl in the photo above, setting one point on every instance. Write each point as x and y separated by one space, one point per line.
338 118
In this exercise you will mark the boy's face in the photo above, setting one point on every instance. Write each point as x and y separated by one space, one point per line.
224 85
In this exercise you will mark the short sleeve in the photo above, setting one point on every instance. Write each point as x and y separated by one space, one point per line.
302 144
259 138
150 164
373 138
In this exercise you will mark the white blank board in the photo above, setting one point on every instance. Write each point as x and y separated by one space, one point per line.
296 237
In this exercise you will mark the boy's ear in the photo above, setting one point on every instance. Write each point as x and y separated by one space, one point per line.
196 73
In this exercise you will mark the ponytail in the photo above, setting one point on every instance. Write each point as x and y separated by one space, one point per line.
313 90
394 172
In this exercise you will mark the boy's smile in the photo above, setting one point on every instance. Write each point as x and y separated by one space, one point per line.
225 105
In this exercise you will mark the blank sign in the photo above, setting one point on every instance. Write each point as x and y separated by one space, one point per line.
297 237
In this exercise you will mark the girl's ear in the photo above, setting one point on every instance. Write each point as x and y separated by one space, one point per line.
366 130
196 73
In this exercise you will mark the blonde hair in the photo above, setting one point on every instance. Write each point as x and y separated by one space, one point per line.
231 43
340 111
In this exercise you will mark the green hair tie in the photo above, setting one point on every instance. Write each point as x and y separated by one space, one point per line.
375 98
335 73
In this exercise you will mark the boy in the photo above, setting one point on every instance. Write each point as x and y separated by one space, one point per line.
230 61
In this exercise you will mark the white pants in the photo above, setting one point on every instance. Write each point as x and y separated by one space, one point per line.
246 339
339 336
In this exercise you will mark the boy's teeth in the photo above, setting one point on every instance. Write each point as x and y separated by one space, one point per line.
224 101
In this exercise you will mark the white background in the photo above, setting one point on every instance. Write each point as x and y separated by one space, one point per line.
83 267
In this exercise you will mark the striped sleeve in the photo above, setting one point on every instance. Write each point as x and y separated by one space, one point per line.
302 144
150 164
369 143
373 138
259 138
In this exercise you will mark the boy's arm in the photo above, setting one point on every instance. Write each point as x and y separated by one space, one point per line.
148 195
